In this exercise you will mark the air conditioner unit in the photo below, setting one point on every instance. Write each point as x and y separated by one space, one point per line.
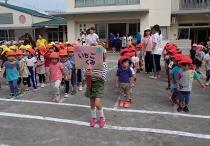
173 20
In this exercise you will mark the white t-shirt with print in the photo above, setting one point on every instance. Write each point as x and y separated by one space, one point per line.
92 38
207 58
83 38
30 61
158 40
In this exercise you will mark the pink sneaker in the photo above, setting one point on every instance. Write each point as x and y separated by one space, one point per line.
207 83
102 122
42 85
34 90
93 122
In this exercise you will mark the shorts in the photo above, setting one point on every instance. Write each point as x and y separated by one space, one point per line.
24 81
198 63
97 90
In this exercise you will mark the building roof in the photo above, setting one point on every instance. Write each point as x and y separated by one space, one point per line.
54 22
26 10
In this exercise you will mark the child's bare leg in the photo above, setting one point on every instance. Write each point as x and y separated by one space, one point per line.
92 103
98 103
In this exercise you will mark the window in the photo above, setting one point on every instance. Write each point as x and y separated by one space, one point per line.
134 1
122 1
4 35
164 32
183 33
79 3
55 34
6 18
100 2
89 3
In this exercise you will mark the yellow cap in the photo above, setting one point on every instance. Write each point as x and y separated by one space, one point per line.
52 43
13 47
22 47
5 49
68 43
28 46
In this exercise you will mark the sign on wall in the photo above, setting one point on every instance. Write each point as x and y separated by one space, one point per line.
6 18
88 57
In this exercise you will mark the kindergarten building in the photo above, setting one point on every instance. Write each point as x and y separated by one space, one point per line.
179 19
15 21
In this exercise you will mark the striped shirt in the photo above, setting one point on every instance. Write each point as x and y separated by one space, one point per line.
102 73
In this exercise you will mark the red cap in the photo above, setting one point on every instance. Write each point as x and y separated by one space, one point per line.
41 50
62 45
62 53
10 53
173 51
54 55
123 58
31 51
139 45
124 51
128 54
49 46
179 57
19 52
133 49
186 60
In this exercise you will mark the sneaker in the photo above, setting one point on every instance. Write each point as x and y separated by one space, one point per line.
17 96
66 95
186 109
83 84
93 122
179 109
153 77
121 104
80 88
102 122
158 76
26 92
38 84
207 83
34 90
10 96
73 92
127 104
19 91
42 85
61 87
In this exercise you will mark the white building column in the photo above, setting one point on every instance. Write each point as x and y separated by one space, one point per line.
71 28
144 22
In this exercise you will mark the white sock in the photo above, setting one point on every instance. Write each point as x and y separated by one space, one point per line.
101 112
93 113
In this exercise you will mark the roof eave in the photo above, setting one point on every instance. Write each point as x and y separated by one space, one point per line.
190 11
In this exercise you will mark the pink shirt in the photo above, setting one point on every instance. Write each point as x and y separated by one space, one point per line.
55 71
147 42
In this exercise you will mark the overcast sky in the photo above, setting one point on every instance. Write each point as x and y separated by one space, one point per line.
40 5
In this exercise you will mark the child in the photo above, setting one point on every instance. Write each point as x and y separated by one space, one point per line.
173 74
13 72
24 71
192 53
31 64
170 65
47 62
124 76
56 71
70 58
184 83
67 68
207 67
96 93
199 56
40 69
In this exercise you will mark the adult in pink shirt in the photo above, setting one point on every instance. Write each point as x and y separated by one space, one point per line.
147 48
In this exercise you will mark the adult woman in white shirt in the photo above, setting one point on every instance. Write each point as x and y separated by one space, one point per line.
92 38
156 51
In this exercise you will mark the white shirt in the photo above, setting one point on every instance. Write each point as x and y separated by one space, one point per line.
92 38
30 61
129 40
132 70
207 58
158 40
83 38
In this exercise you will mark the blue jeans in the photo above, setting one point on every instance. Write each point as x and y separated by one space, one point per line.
184 96
13 87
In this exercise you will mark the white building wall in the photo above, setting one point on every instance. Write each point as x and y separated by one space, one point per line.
16 15
39 19
20 32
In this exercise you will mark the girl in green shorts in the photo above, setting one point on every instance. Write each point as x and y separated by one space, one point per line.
96 92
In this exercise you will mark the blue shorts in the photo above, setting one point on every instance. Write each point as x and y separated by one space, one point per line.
73 78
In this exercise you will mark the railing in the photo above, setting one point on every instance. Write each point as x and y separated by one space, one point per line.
194 4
